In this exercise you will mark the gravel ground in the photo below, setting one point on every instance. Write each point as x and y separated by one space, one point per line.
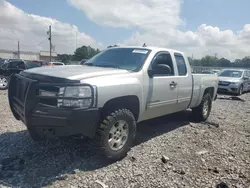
172 151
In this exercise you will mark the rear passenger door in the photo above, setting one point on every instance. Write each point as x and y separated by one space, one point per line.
184 80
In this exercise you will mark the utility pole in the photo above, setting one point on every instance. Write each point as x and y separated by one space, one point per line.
50 43
18 50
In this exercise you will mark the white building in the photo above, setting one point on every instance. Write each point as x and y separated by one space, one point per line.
42 55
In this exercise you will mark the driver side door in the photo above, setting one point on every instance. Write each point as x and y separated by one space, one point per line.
163 88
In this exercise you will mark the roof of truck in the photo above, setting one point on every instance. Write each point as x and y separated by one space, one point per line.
150 48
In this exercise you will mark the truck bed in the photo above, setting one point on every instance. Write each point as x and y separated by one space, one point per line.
200 83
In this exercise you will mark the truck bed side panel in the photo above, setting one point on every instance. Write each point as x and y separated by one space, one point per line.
201 83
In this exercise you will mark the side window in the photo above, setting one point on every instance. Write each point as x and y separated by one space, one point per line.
247 74
181 65
163 58
16 65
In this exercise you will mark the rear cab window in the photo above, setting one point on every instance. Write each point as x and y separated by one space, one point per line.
181 64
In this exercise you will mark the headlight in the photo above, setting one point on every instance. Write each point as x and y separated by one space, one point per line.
234 83
75 96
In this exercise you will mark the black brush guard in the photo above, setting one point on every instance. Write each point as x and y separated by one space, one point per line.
24 101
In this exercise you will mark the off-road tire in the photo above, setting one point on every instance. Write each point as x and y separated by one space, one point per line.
102 134
198 112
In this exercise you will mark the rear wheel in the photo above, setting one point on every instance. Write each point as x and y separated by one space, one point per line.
116 134
202 112
4 82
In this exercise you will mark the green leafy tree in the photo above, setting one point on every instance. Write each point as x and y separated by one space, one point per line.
85 52
209 61
65 58
223 63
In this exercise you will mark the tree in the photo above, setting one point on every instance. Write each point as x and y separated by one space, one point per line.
65 58
190 60
85 52
245 62
209 61
223 63
110 46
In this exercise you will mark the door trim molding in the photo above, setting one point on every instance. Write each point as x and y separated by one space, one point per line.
161 103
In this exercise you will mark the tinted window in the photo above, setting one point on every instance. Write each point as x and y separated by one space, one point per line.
231 73
57 64
45 64
164 58
124 58
4 65
16 65
31 64
181 65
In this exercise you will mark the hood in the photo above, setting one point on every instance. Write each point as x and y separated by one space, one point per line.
229 79
75 72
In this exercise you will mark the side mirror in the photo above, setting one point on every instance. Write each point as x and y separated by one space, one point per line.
159 69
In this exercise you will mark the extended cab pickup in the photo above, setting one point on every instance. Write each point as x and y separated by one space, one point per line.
109 94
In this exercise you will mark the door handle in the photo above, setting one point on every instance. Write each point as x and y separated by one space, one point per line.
173 84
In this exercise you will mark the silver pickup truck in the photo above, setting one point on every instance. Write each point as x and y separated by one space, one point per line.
109 94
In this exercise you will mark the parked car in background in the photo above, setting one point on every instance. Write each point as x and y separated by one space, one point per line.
83 61
207 72
234 81
2 60
13 66
56 64
41 63
53 64
216 71
106 97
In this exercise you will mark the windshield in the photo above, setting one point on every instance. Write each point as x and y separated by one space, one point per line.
231 73
130 59
2 61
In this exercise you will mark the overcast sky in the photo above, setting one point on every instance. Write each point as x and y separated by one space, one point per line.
198 27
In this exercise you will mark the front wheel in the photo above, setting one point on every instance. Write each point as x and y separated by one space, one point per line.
4 82
116 134
240 91
202 112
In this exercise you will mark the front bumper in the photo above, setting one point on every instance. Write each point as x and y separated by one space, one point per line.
228 89
48 120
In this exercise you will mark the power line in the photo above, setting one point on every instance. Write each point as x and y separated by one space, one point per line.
36 44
